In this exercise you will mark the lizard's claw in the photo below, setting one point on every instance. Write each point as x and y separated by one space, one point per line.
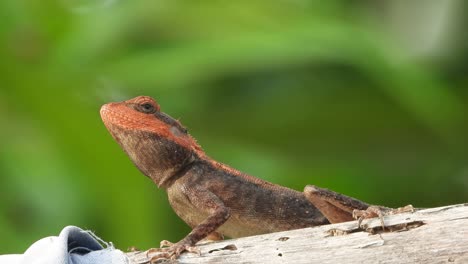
169 250
379 211
371 212
165 243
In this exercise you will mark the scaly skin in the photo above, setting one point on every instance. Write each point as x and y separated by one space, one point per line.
213 198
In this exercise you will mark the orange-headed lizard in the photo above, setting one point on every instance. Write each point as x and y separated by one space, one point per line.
213 198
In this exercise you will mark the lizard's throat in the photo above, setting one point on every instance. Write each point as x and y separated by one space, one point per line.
169 179
159 158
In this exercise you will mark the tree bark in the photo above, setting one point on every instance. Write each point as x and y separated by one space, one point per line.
435 235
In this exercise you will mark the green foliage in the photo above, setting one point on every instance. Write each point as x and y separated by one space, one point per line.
295 92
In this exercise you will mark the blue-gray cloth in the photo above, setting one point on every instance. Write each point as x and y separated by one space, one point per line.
72 246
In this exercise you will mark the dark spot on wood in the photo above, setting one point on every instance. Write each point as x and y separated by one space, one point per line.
283 238
340 232
228 247
395 228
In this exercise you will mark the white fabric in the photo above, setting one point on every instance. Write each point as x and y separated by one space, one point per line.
72 246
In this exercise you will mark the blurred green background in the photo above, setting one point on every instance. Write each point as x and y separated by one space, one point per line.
367 98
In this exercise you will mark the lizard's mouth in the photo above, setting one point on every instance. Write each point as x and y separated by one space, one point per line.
107 115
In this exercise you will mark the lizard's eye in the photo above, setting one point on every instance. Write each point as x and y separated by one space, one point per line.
147 108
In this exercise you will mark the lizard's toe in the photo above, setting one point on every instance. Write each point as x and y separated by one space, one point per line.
169 250
379 211
165 243
371 212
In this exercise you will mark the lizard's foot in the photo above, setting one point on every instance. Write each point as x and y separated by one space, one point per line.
339 208
170 250
379 211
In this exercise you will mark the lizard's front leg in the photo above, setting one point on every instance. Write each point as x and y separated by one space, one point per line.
205 201
339 208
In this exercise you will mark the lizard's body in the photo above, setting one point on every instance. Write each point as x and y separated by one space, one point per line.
256 206
213 198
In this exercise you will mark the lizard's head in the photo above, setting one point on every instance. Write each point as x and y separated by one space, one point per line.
157 143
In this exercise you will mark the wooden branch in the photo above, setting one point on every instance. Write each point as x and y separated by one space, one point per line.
435 235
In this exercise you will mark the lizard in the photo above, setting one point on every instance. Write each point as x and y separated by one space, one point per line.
214 199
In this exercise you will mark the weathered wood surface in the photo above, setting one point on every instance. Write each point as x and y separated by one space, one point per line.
435 235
